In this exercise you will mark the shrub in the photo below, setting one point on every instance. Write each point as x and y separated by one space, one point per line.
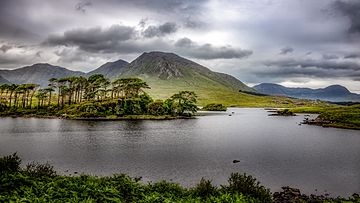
157 108
167 189
214 107
204 189
10 163
40 170
248 185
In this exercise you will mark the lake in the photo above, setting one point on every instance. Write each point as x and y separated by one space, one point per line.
276 150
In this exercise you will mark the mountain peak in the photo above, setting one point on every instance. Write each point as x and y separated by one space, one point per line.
162 65
158 54
110 69
337 90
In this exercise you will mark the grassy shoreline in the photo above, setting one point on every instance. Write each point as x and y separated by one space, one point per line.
109 118
41 183
346 117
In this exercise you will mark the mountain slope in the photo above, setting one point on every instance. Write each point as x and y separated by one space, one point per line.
3 81
110 69
38 73
171 67
168 73
335 93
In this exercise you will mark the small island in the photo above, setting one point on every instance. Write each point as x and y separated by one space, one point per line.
347 117
94 98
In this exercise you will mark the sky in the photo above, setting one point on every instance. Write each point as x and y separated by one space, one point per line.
296 43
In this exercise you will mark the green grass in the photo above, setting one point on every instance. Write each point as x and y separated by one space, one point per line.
40 183
209 92
338 116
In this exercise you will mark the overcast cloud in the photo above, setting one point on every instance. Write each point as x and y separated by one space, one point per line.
297 43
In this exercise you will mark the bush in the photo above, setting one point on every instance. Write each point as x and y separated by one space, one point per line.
40 170
166 189
214 107
249 186
204 189
156 108
10 163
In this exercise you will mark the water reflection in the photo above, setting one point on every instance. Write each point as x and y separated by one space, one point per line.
274 149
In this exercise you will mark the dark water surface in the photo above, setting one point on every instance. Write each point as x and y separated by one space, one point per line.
276 150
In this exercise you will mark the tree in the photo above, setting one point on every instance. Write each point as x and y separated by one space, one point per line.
49 90
157 108
185 101
31 88
12 89
129 87
95 83
41 96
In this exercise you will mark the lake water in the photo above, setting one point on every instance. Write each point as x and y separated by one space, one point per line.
276 150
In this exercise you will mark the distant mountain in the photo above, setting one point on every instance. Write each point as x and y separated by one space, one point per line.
334 93
110 69
38 73
3 81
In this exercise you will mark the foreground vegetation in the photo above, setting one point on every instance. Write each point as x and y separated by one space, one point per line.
40 183
95 96
333 116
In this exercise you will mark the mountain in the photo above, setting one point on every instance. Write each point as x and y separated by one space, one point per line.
334 93
3 81
38 73
110 69
171 67
168 73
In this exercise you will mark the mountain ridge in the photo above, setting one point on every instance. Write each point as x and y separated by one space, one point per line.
149 66
333 93
169 66
110 69
38 73
3 81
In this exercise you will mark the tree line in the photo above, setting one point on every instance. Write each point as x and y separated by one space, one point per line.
128 94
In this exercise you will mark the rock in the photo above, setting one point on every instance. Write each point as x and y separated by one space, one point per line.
236 161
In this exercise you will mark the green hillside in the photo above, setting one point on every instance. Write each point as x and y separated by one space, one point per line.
168 73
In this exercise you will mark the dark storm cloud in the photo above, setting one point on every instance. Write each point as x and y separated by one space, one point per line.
329 56
292 68
94 39
124 39
352 56
15 22
326 64
161 30
187 6
208 51
4 48
81 6
286 50
38 54
350 9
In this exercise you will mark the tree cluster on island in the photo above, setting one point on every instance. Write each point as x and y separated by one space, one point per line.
95 96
